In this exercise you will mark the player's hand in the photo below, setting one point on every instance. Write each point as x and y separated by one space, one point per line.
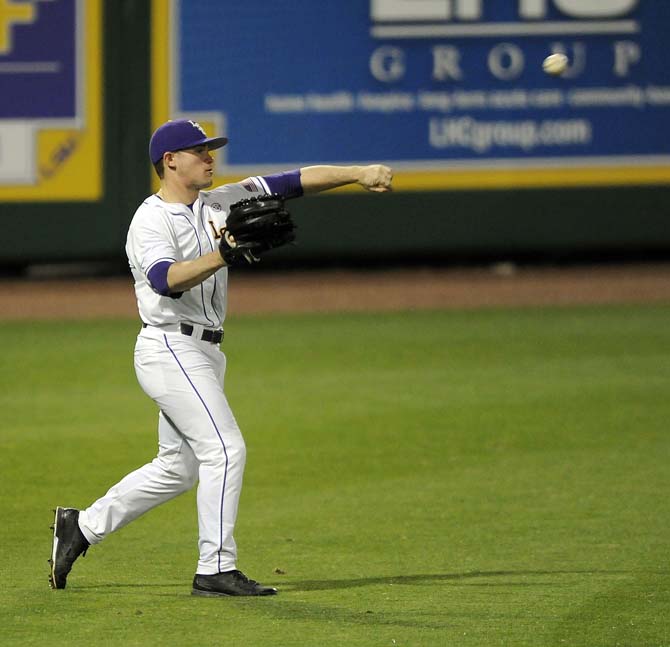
376 177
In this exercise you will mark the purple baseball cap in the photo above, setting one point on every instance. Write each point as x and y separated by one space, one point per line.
179 134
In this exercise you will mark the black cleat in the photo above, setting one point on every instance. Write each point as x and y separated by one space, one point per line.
229 583
68 544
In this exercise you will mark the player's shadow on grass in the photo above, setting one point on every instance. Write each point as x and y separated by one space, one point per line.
125 585
431 579
504 578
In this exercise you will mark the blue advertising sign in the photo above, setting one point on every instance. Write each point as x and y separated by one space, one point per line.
432 85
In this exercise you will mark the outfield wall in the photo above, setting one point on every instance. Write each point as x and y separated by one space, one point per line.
72 195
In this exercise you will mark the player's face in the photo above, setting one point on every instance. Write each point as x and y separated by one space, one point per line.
195 167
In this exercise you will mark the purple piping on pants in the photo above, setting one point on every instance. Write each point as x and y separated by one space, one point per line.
225 476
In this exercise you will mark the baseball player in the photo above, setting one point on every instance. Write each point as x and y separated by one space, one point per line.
178 254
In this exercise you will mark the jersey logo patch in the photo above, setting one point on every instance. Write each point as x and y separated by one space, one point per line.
249 186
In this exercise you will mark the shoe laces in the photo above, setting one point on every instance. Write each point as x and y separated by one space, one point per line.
80 546
239 575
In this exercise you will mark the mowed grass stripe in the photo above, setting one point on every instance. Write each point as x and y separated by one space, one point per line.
493 477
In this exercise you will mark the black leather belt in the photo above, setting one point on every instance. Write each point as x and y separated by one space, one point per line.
212 336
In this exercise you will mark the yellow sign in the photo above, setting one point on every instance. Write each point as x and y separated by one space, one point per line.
47 157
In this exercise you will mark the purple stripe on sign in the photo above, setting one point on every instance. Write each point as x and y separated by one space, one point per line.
225 473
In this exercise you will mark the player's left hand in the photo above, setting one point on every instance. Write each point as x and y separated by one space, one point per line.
376 177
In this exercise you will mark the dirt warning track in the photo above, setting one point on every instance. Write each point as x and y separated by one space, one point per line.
345 290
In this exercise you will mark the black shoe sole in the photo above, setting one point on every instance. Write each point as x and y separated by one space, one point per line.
210 594
219 594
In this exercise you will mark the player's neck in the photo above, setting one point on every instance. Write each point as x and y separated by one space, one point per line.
180 194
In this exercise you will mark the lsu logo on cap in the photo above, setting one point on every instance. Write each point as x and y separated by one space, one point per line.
195 124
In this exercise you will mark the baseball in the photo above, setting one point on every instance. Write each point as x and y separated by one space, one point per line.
555 64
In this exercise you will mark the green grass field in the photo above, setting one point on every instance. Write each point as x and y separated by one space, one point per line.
494 477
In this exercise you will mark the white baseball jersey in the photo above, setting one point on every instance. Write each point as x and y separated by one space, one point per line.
163 231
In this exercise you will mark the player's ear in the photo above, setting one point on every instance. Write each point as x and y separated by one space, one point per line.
168 160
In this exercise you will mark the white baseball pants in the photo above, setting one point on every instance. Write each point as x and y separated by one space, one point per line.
198 438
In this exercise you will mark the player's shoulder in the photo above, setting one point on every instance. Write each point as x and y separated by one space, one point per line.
152 211
223 196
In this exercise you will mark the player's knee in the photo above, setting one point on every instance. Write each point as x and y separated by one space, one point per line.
237 453
226 455
189 474
185 481
189 480
182 473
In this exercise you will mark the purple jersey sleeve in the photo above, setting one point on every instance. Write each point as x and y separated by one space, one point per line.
157 276
287 183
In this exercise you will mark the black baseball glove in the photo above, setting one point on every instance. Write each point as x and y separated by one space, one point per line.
253 227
